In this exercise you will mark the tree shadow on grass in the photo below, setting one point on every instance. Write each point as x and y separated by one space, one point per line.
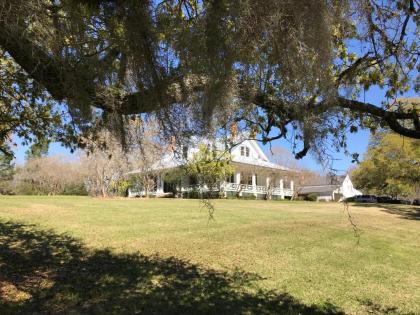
42 272
403 211
377 309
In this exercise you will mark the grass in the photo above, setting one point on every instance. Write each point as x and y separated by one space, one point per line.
82 255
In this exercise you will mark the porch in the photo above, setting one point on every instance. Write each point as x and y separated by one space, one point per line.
261 182
242 190
255 182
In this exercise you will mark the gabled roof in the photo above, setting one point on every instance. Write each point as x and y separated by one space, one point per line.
257 148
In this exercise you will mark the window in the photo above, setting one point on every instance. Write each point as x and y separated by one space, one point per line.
231 179
246 179
245 151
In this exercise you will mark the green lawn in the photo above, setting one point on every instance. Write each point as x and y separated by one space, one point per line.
83 255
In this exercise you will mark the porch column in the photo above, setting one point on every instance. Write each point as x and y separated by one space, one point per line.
281 189
291 186
267 185
254 184
238 178
159 188
238 182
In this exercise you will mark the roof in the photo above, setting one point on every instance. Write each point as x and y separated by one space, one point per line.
168 161
261 163
257 148
327 180
171 161
318 189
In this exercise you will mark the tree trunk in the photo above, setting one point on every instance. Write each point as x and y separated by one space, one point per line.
103 191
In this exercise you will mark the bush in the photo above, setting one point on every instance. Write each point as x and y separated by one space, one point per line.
75 189
231 195
195 194
6 188
312 197
119 188
49 176
248 196
212 195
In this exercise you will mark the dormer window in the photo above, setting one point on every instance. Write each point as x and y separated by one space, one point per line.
244 151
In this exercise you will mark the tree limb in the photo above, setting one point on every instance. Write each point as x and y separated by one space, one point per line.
390 117
39 65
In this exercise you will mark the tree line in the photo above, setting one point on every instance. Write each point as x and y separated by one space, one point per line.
107 168
99 170
390 167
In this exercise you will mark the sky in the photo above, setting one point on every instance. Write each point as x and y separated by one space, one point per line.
357 143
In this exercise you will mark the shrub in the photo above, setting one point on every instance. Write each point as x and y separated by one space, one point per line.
6 187
75 189
248 196
49 176
195 194
312 197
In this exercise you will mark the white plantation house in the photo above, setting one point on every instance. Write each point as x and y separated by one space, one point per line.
254 174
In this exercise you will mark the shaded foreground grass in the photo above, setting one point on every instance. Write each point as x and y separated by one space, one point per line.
56 274
163 256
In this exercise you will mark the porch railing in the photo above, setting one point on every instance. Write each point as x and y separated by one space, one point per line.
198 188
258 189
276 191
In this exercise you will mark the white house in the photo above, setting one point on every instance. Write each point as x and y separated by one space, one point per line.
336 190
254 174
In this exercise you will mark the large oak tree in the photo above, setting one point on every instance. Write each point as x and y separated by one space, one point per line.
391 166
293 69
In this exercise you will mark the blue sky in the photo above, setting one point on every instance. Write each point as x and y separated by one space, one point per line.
357 143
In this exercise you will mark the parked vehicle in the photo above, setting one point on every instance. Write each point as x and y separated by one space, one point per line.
366 199
388 199
405 201
385 199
